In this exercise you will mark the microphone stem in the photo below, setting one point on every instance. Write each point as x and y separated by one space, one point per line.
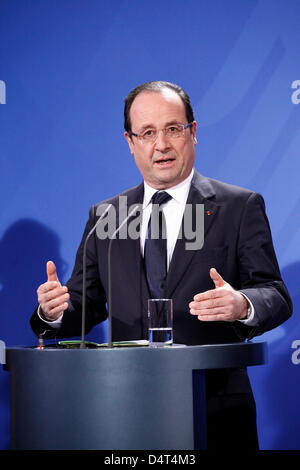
82 344
110 344
113 237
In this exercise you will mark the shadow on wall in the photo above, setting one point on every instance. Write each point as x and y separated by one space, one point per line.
281 382
24 249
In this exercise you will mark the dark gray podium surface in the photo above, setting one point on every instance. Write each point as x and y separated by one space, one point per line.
116 399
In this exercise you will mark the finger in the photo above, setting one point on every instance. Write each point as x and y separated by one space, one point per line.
56 302
224 310
45 294
217 278
56 312
51 271
211 311
210 294
47 286
209 303
54 306
217 317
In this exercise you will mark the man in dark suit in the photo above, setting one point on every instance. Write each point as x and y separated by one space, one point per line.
228 290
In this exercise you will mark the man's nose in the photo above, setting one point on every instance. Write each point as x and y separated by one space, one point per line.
162 143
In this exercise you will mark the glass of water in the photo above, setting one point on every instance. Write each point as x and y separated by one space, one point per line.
160 316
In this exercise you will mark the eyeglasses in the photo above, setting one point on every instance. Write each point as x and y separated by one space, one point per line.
171 132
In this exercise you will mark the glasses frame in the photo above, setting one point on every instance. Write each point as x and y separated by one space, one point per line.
141 139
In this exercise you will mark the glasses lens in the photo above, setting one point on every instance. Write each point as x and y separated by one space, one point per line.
149 135
174 131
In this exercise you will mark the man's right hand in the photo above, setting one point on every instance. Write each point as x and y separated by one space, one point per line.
52 296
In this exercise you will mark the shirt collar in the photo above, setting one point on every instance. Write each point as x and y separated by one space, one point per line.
178 192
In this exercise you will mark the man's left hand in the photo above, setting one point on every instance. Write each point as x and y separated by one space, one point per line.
220 304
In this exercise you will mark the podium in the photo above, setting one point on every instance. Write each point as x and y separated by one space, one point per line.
115 399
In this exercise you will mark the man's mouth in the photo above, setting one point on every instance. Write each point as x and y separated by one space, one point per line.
164 161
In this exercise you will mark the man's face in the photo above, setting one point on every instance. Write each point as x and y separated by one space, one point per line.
165 162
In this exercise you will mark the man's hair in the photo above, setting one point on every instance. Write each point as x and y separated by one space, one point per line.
156 86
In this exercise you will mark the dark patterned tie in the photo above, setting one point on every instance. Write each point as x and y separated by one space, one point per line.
155 252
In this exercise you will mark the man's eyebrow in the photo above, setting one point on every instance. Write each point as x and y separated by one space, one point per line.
170 123
146 126
151 126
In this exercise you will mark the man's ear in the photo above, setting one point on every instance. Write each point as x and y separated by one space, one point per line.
129 141
194 127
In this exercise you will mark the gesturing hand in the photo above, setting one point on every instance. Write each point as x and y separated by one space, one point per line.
52 296
220 304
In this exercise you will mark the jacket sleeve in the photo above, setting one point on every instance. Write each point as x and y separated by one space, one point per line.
260 276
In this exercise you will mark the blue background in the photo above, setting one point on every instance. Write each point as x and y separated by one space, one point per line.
67 66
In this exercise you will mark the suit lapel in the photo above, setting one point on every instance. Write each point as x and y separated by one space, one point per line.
130 251
130 248
200 193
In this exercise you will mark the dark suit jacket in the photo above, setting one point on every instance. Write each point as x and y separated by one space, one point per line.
237 243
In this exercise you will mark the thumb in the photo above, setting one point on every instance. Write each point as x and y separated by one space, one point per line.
217 278
51 271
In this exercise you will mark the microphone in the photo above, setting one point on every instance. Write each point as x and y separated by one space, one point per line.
113 237
82 344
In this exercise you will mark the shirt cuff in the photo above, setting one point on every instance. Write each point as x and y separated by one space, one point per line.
54 324
251 319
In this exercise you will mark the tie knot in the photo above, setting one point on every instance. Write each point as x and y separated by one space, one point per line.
160 197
